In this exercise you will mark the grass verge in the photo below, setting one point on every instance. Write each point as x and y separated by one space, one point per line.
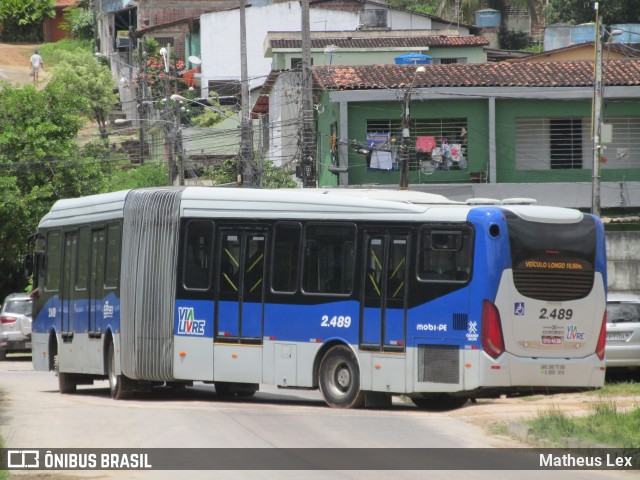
605 424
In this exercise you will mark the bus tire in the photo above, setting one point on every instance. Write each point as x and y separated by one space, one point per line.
65 380
339 379
118 384
440 402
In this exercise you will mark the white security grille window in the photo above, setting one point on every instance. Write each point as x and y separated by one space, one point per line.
553 143
434 144
624 149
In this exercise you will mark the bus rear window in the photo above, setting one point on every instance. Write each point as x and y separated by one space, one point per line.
445 254
552 261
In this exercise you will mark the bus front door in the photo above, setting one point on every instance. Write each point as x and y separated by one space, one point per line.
239 316
383 302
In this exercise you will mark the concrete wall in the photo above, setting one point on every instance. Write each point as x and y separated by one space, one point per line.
623 261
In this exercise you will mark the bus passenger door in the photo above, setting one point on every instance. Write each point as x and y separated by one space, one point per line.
96 283
241 286
67 293
383 302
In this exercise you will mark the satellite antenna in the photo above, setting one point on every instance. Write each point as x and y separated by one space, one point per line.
329 49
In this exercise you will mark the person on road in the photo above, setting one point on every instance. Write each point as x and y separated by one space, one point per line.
36 64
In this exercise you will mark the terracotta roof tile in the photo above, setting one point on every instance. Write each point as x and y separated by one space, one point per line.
385 42
65 3
544 74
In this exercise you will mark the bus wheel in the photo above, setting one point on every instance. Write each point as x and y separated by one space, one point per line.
65 380
440 402
339 379
118 384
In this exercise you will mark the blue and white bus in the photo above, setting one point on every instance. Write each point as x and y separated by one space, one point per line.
360 294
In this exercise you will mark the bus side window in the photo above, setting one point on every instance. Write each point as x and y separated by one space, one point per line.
286 252
329 262
52 266
198 255
445 255
112 271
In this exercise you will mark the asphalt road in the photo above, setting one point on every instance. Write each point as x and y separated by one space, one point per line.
34 415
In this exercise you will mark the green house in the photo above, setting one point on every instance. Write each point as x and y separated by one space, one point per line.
518 129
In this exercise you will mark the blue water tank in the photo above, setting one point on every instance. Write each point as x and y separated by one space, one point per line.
583 33
488 18
413 59
630 32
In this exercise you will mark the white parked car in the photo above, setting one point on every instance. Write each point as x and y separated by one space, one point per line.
623 330
15 324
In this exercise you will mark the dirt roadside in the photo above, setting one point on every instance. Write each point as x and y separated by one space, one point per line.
504 410
14 63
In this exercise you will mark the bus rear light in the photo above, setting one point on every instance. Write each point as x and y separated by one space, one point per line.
6 319
492 341
602 338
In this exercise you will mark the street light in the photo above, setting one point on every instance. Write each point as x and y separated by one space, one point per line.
404 146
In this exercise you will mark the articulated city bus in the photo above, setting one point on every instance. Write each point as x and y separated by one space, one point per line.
360 294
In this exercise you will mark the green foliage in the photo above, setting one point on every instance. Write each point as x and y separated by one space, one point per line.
576 12
79 21
52 52
20 20
512 40
428 7
79 71
275 177
209 116
40 162
142 176
227 174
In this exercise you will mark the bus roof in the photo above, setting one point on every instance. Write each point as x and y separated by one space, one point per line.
321 203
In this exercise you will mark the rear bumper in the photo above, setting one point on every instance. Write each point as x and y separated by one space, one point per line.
14 342
512 372
622 355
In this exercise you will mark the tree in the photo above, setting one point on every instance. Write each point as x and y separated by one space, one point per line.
79 71
576 12
21 19
79 21
40 163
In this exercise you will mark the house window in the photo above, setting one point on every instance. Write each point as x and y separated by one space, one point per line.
164 41
449 61
552 143
565 143
435 144
296 63
373 18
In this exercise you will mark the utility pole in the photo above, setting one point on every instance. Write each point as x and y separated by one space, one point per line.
245 161
406 134
308 160
177 142
168 127
596 118
404 144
